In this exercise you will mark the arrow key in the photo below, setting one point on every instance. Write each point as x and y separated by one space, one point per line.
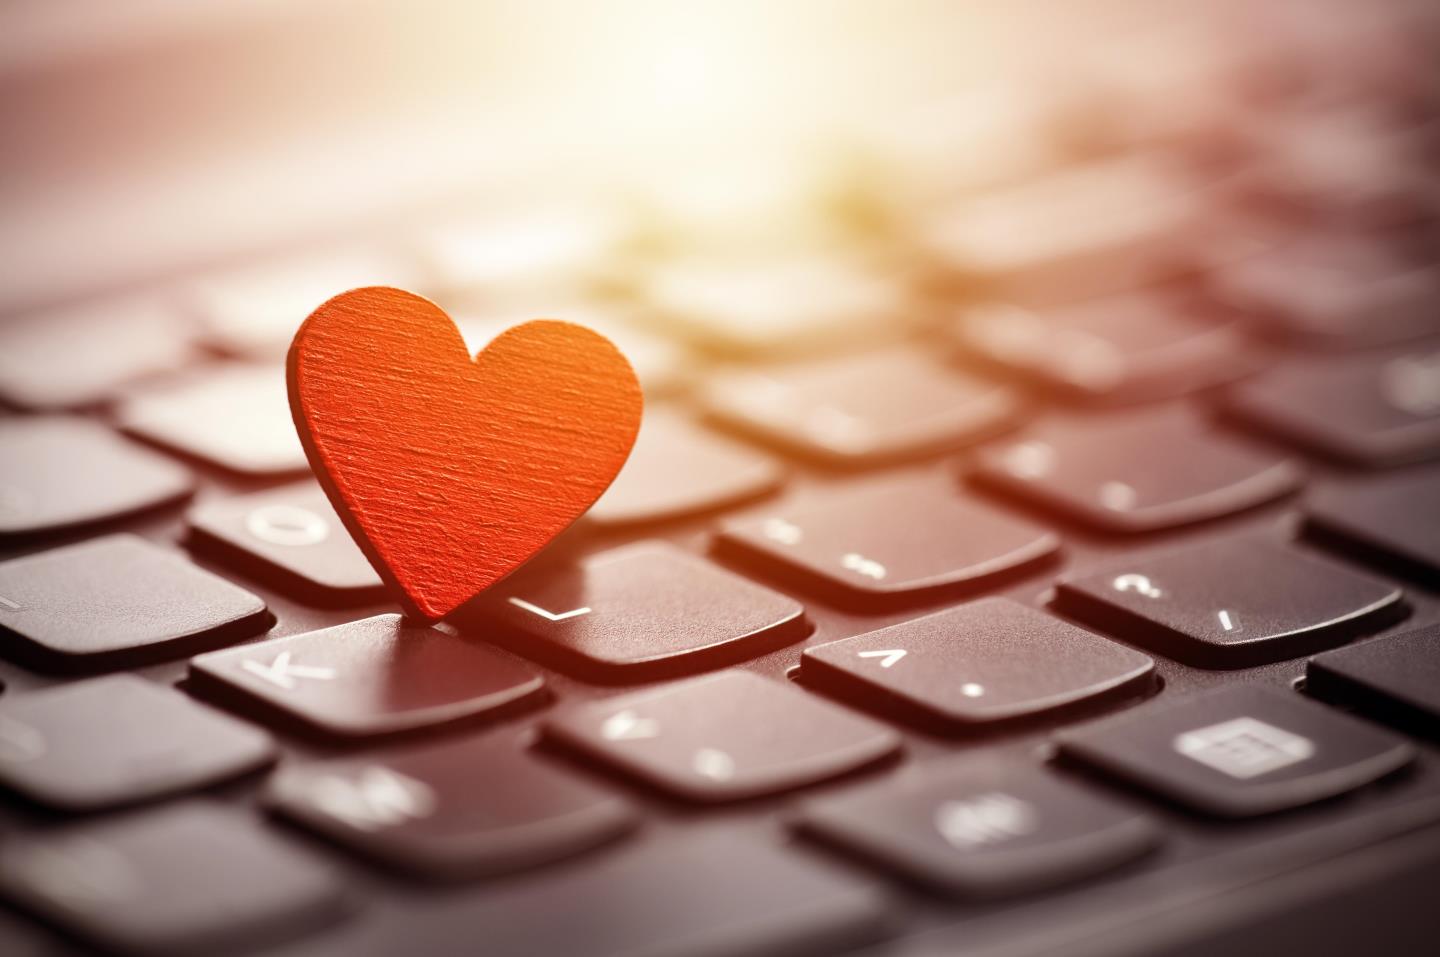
987 661
368 678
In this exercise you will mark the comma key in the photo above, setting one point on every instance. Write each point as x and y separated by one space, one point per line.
724 737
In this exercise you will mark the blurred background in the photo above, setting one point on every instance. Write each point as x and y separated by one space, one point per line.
704 181
151 140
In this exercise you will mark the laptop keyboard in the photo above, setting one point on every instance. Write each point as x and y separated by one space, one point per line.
1047 549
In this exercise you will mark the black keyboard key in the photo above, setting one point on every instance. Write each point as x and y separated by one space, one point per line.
119 740
117 602
1141 472
1334 293
983 833
379 676
1239 751
724 737
678 469
897 541
1393 521
1231 603
1141 346
644 611
58 472
464 809
981 662
83 355
235 417
1375 408
183 879
1397 677
863 410
291 539
710 893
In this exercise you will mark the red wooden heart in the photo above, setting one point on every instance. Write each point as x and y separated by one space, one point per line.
451 472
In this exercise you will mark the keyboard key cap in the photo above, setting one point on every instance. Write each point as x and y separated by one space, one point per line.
1231 603
464 809
235 417
1140 472
1397 677
896 541
678 469
368 678
83 355
183 879
117 602
119 740
253 312
1144 345
1105 227
712 893
984 833
1393 521
60 472
1239 751
289 538
724 737
978 663
775 306
1332 293
640 612
863 410
1375 408
527 253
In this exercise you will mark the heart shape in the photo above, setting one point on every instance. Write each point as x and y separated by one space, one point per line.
451 472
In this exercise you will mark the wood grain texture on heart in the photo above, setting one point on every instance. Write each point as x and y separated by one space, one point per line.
450 471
